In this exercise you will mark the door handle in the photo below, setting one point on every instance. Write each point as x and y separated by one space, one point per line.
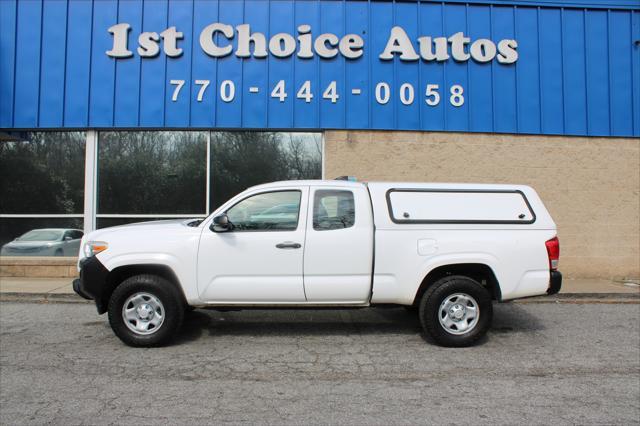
288 245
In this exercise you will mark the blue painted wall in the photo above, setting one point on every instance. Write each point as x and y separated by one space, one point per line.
578 71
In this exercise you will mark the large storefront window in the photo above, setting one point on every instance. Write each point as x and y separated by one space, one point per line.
146 176
41 187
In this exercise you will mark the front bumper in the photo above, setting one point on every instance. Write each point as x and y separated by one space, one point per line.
555 283
92 284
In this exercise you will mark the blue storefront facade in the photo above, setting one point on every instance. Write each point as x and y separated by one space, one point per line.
115 111
573 68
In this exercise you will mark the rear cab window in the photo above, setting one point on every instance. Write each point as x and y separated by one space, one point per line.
407 206
333 209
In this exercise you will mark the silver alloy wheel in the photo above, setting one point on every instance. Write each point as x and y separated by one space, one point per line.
459 314
143 313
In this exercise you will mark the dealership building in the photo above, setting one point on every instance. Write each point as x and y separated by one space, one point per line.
118 111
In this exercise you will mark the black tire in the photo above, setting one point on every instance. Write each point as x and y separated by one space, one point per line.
158 287
437 293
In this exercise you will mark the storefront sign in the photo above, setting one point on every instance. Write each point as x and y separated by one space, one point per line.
246 44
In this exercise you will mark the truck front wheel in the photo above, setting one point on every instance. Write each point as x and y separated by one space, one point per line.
456 311
145 310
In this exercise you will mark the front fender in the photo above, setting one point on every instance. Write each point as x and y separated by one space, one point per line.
182 268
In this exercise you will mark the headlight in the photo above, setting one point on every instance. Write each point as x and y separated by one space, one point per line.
91 248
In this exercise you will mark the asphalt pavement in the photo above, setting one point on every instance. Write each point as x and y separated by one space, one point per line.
553 363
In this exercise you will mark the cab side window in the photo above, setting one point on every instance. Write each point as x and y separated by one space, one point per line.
333 210
269 211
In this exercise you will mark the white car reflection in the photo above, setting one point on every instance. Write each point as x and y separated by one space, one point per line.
45 242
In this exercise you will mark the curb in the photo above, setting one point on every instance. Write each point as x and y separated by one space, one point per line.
42 298
578 298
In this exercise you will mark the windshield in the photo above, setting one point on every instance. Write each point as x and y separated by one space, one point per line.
41 235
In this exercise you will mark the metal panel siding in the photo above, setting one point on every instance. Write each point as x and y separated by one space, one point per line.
382 114
456 118
528 77
504 78
332 115
574 76
577 73
551 89
635 72
153 81
357 71
54 26
102 66
177 113
127 82
8 11
27 63
620 44
307 114
229 113
203 67
480 116
408 116
431 23
78 54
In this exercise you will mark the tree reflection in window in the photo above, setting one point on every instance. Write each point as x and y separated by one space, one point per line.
43 173
243 159
160 172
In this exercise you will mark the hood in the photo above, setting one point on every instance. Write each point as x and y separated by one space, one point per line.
141 226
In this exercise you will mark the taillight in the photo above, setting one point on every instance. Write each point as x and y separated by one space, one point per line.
553 250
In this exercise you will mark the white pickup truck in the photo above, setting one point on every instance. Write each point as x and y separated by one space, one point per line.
447 250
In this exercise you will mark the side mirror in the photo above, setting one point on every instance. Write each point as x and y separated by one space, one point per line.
220 223
68 238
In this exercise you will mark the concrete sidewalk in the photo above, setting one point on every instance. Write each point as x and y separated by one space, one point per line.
60 289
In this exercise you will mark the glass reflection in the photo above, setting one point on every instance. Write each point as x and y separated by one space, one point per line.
43 173
152 172
243 159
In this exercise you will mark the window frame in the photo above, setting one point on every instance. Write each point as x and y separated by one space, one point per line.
299 191
459 221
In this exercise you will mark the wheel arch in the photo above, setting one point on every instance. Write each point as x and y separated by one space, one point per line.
480 272
117 275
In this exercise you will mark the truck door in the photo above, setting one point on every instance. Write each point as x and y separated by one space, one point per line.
338 254
260 259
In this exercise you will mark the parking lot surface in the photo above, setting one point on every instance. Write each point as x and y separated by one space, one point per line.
540 364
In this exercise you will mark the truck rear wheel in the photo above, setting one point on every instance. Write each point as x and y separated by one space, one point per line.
456 311
145 310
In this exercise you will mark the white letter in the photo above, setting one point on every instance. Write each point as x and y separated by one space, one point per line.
282 45
426 51
148 45
244 41
305 42
321 45
508 53
483 50
351 46
399 43
458 41
206 39
120 37
170 39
